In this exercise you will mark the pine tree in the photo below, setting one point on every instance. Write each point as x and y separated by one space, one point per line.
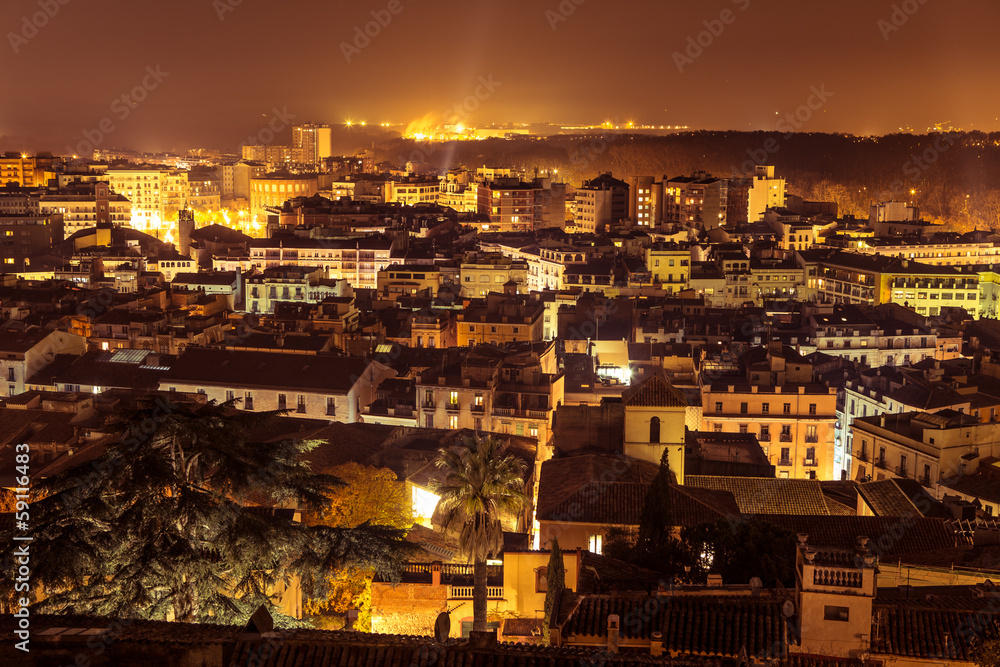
555 581
656 547
175 519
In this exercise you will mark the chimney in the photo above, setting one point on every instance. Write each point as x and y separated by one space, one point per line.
436 573
613 633
656 644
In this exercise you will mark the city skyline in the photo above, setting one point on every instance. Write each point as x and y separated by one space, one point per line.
209 73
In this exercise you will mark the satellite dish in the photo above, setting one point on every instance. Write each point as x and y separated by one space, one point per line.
755 586
442 626
788 609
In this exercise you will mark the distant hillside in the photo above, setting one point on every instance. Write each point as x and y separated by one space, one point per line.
942 168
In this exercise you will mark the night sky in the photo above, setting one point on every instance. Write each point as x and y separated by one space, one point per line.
604 61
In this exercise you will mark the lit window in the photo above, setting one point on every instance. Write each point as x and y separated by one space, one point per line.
596 544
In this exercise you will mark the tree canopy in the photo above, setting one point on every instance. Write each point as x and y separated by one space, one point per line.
186 515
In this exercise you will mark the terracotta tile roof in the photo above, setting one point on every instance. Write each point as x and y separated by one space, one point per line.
763 495
705 625
945 629
886 499
654 391
571 477
889 537
603 574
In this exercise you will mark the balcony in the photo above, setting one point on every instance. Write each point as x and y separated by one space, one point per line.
429 405
812 438
785 437
452 407
764 437
465 592
810 463
901 472
862 456
784 462
478 409
880 464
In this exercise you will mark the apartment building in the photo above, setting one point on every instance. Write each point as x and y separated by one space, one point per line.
311 386
792 416
500 319
698 201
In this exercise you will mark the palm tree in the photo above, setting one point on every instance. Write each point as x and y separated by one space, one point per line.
481 483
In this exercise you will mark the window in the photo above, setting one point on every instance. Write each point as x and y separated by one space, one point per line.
831 613
718 406
785 454
230 395
428 421
810 456
541 579
765 408
301 407
743 428
812 408
595 544
248 400
743 408
282 402
331 405
453 422
478 423
453 398
787 409
717 428
654 429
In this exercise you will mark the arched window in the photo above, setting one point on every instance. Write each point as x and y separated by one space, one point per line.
541 580
654 429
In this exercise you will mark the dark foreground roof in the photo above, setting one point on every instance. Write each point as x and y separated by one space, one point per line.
58 640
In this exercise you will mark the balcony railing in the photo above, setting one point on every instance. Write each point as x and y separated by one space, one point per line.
784 462
465 592
880 464
862 456
901 472
478 408
785 437
452 407
428 405
764 437
812 438
810 462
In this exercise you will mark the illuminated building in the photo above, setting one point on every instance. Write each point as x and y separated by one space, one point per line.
972 248
243 173
276 157
599 202
847 277
482 273
698 201
356 260
749 197
85 205
23 236
778 400
921 445
294 284
501 318
512 205
669 265
272 190
773 279
310 386
645 201
412 191
145 187
24 353
24 170
406 279
310 143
